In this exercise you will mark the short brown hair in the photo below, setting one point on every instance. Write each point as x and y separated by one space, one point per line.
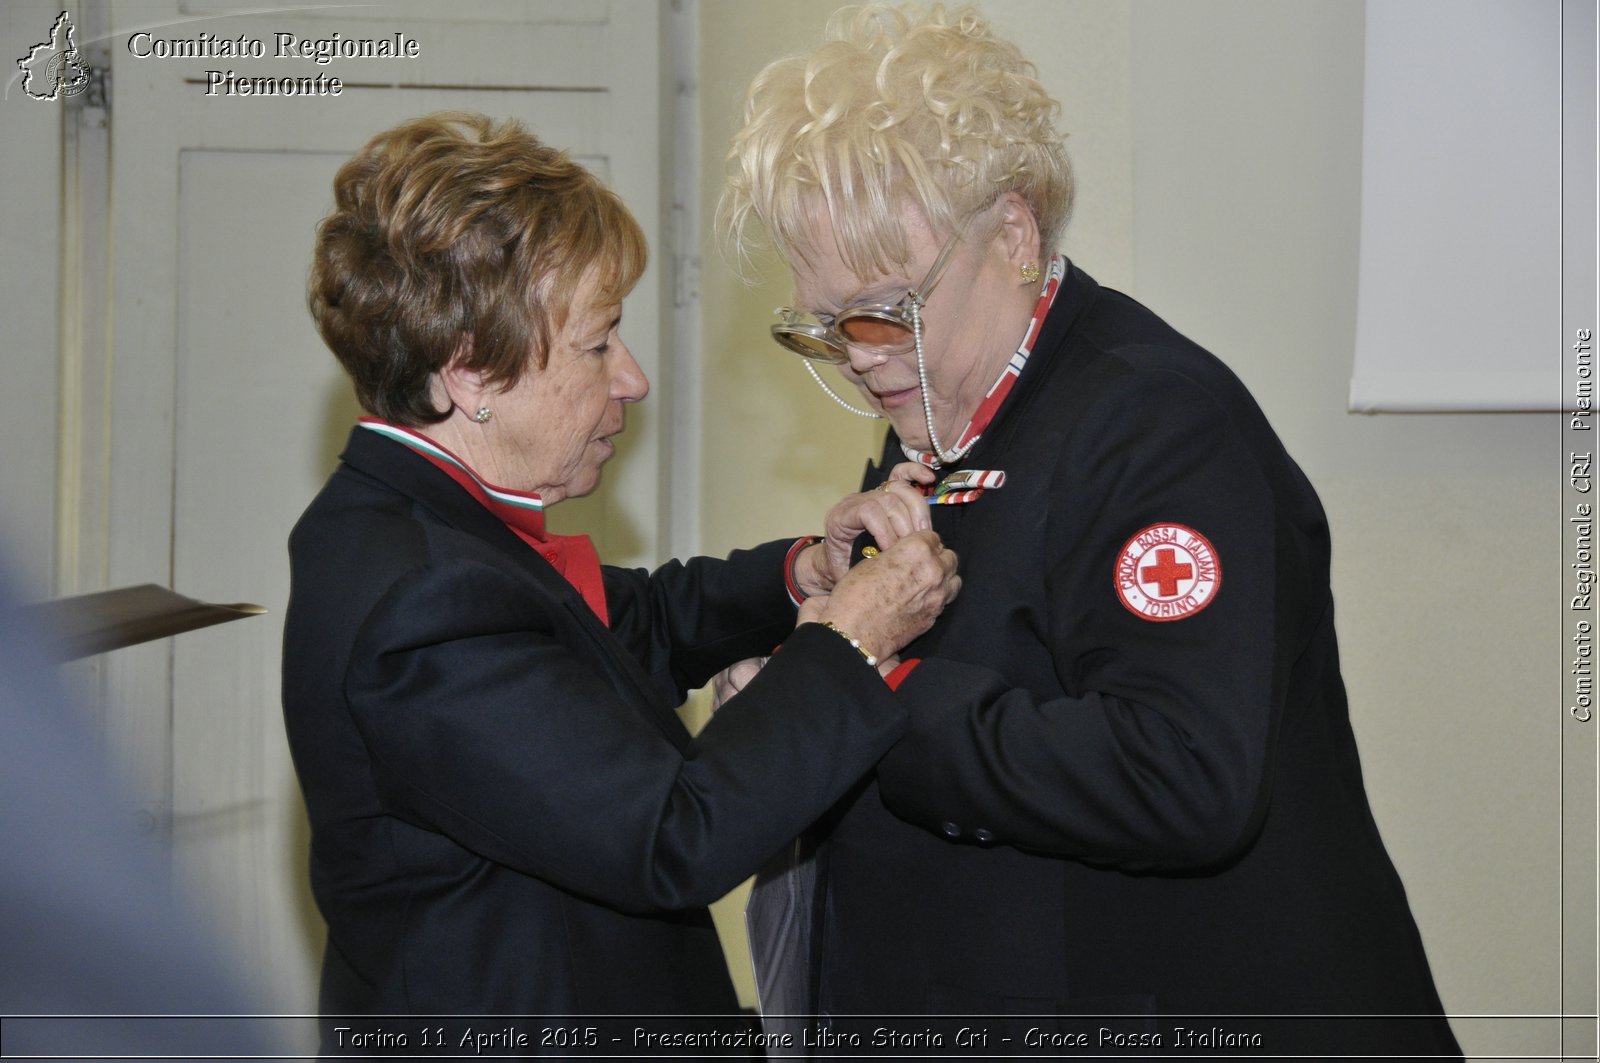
452 230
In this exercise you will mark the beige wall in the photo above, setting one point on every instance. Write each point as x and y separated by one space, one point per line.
775 447
1247 135
1218 146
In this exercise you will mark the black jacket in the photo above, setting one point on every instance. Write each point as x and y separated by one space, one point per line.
507 815
1095 811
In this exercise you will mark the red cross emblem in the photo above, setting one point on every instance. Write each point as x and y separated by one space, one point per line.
1167 572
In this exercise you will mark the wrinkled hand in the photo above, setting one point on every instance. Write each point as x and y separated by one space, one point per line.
889 512
732 679
888 600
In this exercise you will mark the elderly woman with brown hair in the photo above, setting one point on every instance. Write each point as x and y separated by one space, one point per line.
507 816
1129 785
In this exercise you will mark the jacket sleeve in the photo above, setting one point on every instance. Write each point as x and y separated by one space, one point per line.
686 621
1154 751
496 718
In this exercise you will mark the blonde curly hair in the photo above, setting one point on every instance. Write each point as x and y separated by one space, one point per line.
899 104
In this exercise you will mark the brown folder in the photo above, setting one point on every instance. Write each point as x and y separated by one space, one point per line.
87 624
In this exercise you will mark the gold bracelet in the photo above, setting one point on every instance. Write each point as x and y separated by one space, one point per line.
855 643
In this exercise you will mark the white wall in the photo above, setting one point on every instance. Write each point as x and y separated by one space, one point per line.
30 173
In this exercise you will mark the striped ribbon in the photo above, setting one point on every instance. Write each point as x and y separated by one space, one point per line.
964 485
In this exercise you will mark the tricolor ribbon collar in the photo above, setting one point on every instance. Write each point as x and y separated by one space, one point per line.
522 510
966 485
1001 388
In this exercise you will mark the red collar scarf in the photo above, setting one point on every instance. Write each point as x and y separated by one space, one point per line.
1008 376
573 556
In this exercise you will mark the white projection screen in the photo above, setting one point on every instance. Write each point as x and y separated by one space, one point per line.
1460 269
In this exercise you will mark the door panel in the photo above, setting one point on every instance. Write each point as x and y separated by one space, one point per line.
227 411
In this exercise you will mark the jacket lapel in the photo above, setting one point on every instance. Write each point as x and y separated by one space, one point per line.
414 477
1051 354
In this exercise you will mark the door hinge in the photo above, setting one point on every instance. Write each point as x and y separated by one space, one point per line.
97 97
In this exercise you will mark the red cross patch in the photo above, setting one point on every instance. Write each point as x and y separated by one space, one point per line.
1167 572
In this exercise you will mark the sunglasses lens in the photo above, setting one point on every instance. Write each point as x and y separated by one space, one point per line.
869 330
807 345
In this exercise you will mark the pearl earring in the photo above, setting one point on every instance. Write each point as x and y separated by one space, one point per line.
483 415
1030 273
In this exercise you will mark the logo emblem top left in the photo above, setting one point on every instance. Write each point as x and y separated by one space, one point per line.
55 69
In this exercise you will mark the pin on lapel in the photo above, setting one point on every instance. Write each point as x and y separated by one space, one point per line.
965 485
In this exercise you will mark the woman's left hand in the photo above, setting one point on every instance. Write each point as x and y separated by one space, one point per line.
889 512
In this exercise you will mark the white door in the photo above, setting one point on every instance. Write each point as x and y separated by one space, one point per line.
227 412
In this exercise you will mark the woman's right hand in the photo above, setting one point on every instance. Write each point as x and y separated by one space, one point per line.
886 601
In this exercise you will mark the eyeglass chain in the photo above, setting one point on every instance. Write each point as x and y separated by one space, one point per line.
997 394
834 395
945 456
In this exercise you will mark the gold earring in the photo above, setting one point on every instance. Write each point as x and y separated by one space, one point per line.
483 415
1030 273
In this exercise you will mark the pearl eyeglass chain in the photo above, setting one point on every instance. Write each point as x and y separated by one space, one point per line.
945 456
835 396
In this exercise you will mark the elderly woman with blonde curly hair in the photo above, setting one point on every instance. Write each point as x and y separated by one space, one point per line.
507 816
1129 785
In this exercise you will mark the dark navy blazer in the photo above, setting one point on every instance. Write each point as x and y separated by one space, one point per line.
1101 810
507 815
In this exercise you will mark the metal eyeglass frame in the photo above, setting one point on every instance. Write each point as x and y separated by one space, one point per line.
907 313
904 314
